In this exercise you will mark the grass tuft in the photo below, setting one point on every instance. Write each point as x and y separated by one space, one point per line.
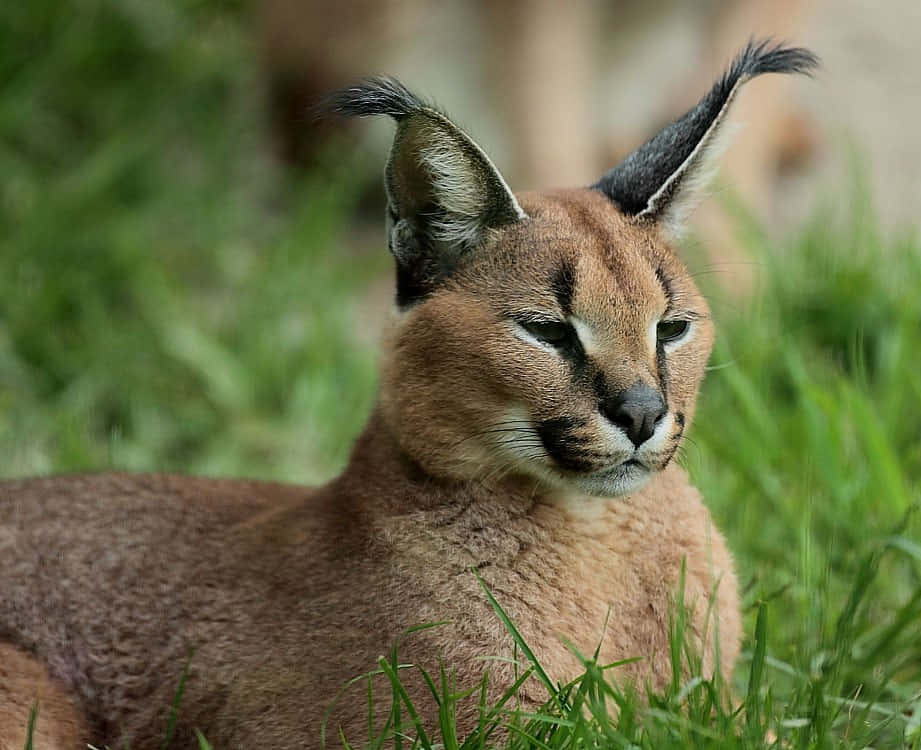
780 707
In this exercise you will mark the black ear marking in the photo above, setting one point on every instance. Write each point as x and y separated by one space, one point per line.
657 181
444 194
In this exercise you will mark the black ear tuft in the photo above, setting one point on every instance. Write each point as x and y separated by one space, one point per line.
374 96
767 57
444 194
657 181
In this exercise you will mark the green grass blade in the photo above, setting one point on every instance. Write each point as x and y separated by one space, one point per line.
174 708
30 727
402 698
520 642
753 717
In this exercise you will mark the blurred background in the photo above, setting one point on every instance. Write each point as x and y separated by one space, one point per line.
193 272
171 214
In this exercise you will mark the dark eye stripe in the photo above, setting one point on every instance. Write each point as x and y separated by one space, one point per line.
662 369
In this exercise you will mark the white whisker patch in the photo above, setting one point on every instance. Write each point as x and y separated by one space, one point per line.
659 439
613 437
515 438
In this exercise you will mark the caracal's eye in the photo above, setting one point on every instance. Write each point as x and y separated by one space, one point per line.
671 330
553 332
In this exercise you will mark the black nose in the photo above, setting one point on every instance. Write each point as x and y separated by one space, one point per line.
636 411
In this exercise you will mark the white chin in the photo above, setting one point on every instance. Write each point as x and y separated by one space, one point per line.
621 480
616 482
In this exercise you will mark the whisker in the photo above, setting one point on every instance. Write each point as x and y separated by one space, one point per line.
495 429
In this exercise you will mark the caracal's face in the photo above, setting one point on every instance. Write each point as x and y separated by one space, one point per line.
551 336
568 350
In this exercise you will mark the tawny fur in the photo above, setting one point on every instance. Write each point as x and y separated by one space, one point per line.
277 595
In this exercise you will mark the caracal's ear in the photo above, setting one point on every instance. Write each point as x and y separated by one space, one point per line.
444 193
664 178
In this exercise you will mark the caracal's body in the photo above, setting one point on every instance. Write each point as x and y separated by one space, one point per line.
539 375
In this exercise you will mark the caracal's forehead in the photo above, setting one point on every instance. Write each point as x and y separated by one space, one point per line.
578 247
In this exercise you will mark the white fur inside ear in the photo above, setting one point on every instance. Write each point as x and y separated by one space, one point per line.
679 195
694 187
458 188
455 186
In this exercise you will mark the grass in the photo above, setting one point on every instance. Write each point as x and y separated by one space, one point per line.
170 300
151 253
807 710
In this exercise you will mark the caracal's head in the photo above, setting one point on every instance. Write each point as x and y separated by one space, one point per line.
551 335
